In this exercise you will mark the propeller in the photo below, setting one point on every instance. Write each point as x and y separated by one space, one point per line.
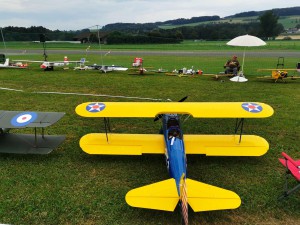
183 99
160 115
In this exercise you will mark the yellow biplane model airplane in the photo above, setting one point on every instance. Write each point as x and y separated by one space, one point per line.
167 194
279 74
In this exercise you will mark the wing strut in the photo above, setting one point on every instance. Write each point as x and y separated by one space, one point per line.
107 127
238 124
35 136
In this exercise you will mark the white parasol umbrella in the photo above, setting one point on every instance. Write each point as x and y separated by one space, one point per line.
245 41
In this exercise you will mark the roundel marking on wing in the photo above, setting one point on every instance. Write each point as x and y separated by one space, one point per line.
23 119
95 107
252 107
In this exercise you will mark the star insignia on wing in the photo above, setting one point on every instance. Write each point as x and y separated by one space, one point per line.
252 107
95 107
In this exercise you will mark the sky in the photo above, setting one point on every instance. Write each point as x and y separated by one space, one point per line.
81 14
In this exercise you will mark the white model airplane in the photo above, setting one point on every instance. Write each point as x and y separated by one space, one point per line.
102 68
106 68
49 65
4 63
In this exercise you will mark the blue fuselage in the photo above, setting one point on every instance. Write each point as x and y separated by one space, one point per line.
175 152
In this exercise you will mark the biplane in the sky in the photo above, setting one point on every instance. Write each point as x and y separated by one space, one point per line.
165 195
28 143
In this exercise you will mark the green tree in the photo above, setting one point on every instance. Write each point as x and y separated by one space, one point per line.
269 26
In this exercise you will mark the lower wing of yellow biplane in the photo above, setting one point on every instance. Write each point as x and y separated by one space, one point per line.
138 144
200 196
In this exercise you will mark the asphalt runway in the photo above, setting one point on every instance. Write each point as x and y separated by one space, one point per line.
249 53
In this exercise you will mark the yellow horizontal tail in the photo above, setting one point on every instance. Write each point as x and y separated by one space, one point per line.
200 196
160 196
205 197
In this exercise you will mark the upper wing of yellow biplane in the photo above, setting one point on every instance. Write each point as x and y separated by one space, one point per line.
196 109
276 69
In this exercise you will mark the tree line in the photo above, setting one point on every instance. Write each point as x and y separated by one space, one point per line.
33 33
267 27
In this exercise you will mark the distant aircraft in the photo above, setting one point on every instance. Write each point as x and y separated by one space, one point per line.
49 65
139 69
102 68
184 72
279 75
137 62
28 143
4 63
111 68
165 195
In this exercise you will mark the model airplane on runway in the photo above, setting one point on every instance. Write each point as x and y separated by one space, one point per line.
179 189
28 143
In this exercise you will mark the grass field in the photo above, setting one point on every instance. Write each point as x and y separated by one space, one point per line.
191 45
71 187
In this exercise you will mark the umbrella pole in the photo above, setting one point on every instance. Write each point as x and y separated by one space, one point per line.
242 71
243 60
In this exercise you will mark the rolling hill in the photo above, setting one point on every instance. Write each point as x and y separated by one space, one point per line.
288 17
